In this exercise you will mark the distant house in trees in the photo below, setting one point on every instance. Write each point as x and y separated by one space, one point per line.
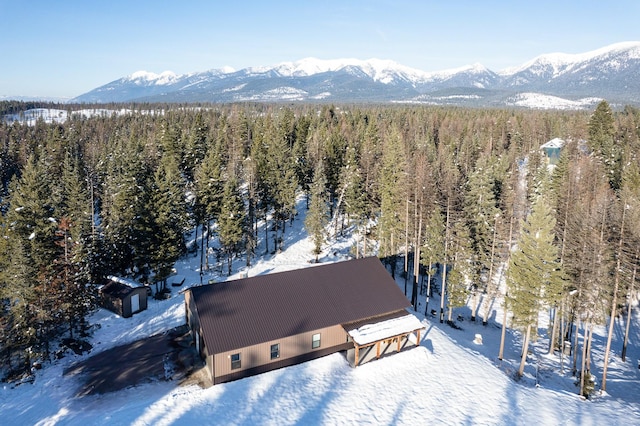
122 296
253 325
552 150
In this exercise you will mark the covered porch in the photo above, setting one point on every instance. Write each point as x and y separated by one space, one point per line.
381 336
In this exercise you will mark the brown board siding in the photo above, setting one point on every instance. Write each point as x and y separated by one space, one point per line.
193 321
211 367
257 358
283 363
114 304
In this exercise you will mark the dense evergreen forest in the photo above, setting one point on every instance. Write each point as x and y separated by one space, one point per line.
467 191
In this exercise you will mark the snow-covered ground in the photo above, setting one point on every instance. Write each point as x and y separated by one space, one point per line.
448 379
54 115
541 101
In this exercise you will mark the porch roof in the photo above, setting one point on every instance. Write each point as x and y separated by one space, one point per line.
382 330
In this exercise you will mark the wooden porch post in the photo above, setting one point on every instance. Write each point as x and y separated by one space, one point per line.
399 338
378 349
418 342
355 364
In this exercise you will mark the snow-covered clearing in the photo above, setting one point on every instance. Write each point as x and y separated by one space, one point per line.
54 115
542 101
448 379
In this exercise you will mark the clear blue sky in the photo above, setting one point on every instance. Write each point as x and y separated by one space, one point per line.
68 47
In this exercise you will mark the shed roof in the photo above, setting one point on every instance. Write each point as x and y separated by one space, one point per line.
117 289
248 311
125 281
377 331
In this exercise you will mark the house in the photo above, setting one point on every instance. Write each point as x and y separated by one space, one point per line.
257 324
122 296
552 150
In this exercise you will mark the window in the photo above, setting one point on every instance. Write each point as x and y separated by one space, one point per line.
275 351
235 361
315 341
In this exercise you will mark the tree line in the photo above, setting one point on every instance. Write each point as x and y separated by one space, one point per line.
462 191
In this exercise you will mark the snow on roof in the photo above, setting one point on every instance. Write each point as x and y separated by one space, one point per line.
124 281
554 143
370 333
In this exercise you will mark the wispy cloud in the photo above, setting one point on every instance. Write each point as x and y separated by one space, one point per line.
382 35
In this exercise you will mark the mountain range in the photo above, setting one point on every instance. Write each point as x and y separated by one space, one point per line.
554 80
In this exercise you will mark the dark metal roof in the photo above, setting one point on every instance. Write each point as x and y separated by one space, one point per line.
117 290
248 311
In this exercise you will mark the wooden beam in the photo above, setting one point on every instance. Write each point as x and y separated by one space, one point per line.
355 364
418 341
387 341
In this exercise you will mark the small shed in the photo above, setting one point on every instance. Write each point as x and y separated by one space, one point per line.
552 150
122 296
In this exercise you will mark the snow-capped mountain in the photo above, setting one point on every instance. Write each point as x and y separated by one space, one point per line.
608 73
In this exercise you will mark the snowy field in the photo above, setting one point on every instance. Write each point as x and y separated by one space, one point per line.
541 101
53 115
448 379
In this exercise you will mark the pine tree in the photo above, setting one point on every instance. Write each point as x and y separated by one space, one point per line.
302 162
74 202
449 194
480 212
232 221
533 271
392 186
286 197
5 311
433 249
18 288
77 270
602 142
126 217
627 248
249 177
169 219
546 185
356 199
281 176
459 276
31 213
316 220
32 226
588 255
334 155
262 200
630 194
209 183
196 146
171 140
64 282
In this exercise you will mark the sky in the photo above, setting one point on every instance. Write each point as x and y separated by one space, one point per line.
67 48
